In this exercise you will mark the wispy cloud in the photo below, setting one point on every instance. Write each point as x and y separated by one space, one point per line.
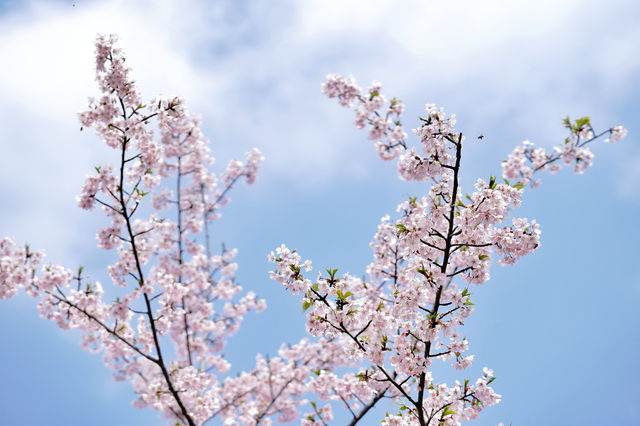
253 71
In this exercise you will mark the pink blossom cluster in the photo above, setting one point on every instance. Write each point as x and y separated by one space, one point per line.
17 266
345 89
525 160
289 270
278 387
617 134
516 241
433 134
175 302
372 112
409 311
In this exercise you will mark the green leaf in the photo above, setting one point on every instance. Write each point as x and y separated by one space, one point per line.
306 304
401 228
331 272
483 256
492 182
343 296
141 193
447 411
518 186
583 122
423 271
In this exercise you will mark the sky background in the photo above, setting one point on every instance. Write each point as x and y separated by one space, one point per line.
560 329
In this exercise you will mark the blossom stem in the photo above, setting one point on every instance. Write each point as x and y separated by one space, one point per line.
160 361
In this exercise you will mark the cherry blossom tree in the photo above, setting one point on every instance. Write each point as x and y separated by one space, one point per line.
408 312
372 338
177 301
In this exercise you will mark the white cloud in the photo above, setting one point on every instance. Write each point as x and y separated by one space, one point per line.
47 76
253 70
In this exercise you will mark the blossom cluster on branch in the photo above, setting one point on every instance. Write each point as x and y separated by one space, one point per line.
409 311
176 302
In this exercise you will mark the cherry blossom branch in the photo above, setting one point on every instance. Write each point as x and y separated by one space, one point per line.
180 259
160 361
177 297
368 407
105 327
445 262
558 156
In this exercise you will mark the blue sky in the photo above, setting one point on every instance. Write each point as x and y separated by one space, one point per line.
560 329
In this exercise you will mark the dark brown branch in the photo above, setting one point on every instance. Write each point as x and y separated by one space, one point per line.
451 232
460 271
89 315
396 385
160 361
431 245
